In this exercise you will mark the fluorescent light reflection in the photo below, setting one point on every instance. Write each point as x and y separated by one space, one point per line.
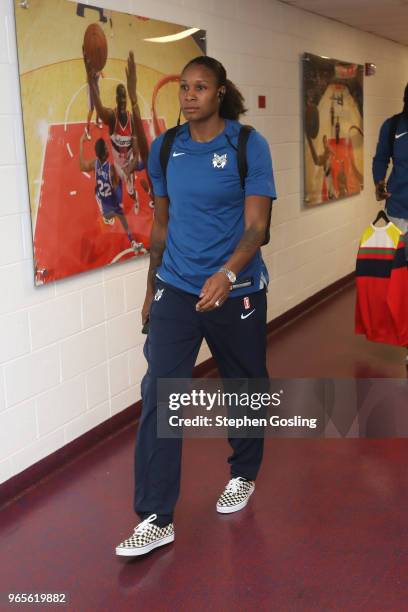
173 37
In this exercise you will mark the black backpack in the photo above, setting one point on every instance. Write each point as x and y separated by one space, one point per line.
393 130
243 136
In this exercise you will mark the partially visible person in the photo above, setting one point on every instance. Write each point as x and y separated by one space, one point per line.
393 144
108 188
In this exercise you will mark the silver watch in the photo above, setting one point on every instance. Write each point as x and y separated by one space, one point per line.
229 274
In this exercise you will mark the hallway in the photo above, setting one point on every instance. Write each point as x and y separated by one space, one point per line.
325 529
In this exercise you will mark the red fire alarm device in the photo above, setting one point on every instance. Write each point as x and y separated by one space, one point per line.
261 101
370 69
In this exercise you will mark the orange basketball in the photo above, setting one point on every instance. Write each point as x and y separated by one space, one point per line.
96 46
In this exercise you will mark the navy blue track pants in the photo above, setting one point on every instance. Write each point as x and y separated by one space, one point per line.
176 331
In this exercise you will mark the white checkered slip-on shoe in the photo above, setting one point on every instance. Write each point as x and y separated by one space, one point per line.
145 538
235 496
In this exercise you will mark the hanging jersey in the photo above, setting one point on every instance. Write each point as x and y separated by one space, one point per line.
378 256
398 291
108 197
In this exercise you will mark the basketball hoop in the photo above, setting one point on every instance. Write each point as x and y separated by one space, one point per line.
170 78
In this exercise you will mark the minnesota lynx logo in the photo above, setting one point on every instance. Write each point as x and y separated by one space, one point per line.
219 161
158 295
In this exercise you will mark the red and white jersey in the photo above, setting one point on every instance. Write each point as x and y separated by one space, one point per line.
121 139
382 286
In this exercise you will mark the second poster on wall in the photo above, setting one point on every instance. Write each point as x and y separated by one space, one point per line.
333 129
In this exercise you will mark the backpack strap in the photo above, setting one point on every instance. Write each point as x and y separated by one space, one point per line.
243 170
166 146
393 130
241 152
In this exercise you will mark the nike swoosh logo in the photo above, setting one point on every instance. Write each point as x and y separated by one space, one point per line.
245 316
399 135
177 154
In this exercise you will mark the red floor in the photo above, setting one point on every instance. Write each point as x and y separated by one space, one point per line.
326 529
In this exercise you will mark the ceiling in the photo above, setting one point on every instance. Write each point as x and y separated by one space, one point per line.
386 18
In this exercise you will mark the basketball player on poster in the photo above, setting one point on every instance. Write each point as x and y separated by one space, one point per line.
122 127
131 81
108 188
91 107
324 160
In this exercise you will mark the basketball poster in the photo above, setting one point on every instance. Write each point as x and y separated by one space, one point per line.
333 129
97 86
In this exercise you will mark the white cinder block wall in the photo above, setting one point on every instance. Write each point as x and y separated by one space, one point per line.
71 353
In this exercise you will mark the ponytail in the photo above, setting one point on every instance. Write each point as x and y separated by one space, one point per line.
233 103
405 109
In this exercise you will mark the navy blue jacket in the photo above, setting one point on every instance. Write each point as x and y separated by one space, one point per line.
397 184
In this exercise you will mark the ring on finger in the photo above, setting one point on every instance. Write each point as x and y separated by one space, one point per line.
218 303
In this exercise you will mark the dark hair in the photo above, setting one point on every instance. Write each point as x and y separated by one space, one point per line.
405 109
119 87
100 148
233 103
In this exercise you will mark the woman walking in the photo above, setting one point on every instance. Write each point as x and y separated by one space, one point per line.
206 280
